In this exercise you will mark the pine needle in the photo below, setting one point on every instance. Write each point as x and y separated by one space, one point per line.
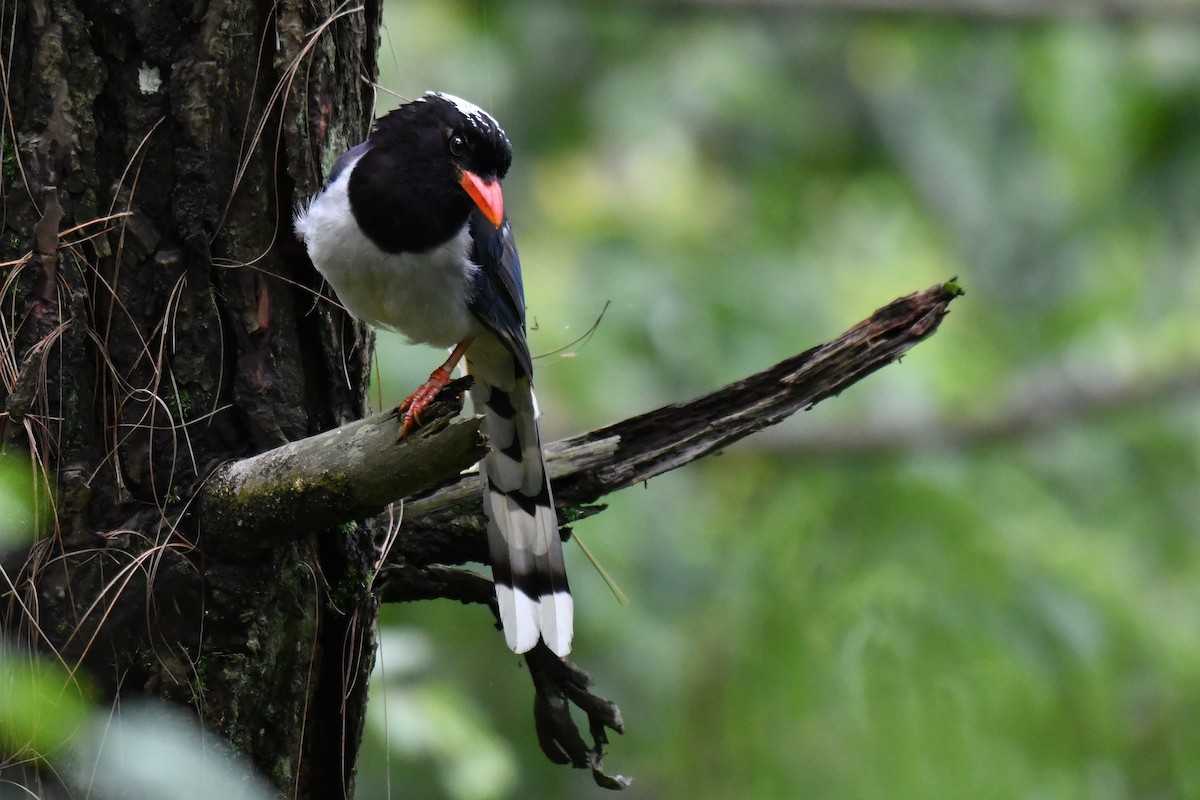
611 582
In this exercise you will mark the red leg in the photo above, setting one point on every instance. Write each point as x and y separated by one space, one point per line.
412 407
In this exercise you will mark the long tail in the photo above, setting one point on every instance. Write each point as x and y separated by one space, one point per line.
526 551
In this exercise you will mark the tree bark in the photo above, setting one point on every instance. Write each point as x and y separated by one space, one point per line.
159 319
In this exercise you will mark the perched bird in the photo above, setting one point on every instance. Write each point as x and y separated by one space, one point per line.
410 231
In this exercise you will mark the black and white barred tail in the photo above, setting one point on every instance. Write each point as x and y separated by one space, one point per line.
526 550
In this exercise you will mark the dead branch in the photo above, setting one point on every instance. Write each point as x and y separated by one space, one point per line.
559 684
445 527
356 470
1040 401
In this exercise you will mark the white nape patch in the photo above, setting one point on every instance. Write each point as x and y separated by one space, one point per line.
149 79
421 295
474 114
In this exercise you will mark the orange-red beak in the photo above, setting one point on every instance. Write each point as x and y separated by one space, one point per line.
486 195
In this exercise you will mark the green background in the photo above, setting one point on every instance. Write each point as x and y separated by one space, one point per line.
974 574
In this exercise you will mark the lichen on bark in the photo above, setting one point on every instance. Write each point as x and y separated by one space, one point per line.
171 312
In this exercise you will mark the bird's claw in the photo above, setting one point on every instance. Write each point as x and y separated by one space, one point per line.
410 410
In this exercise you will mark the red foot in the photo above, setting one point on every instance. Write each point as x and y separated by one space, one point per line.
419 400
427 391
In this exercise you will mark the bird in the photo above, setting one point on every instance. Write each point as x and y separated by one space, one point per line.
410 231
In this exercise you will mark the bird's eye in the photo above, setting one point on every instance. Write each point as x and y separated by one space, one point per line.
458 145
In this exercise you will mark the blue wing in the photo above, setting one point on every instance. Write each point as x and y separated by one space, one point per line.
345 158
499 298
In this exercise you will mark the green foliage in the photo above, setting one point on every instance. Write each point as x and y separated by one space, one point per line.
19 501
428 720
348 590
41 705
8 159
1000 600
182 403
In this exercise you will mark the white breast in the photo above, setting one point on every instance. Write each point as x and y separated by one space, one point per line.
422 295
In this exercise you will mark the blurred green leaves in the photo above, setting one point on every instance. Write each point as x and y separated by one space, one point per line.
145 749
19 497
425 719
950 613
156 751
42 706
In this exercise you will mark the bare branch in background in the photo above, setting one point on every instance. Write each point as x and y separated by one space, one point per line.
1045 401
1000 10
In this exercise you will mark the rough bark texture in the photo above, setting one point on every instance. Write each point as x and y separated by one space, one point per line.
339 476
158 320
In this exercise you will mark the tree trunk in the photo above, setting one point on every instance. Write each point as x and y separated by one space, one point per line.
160 319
